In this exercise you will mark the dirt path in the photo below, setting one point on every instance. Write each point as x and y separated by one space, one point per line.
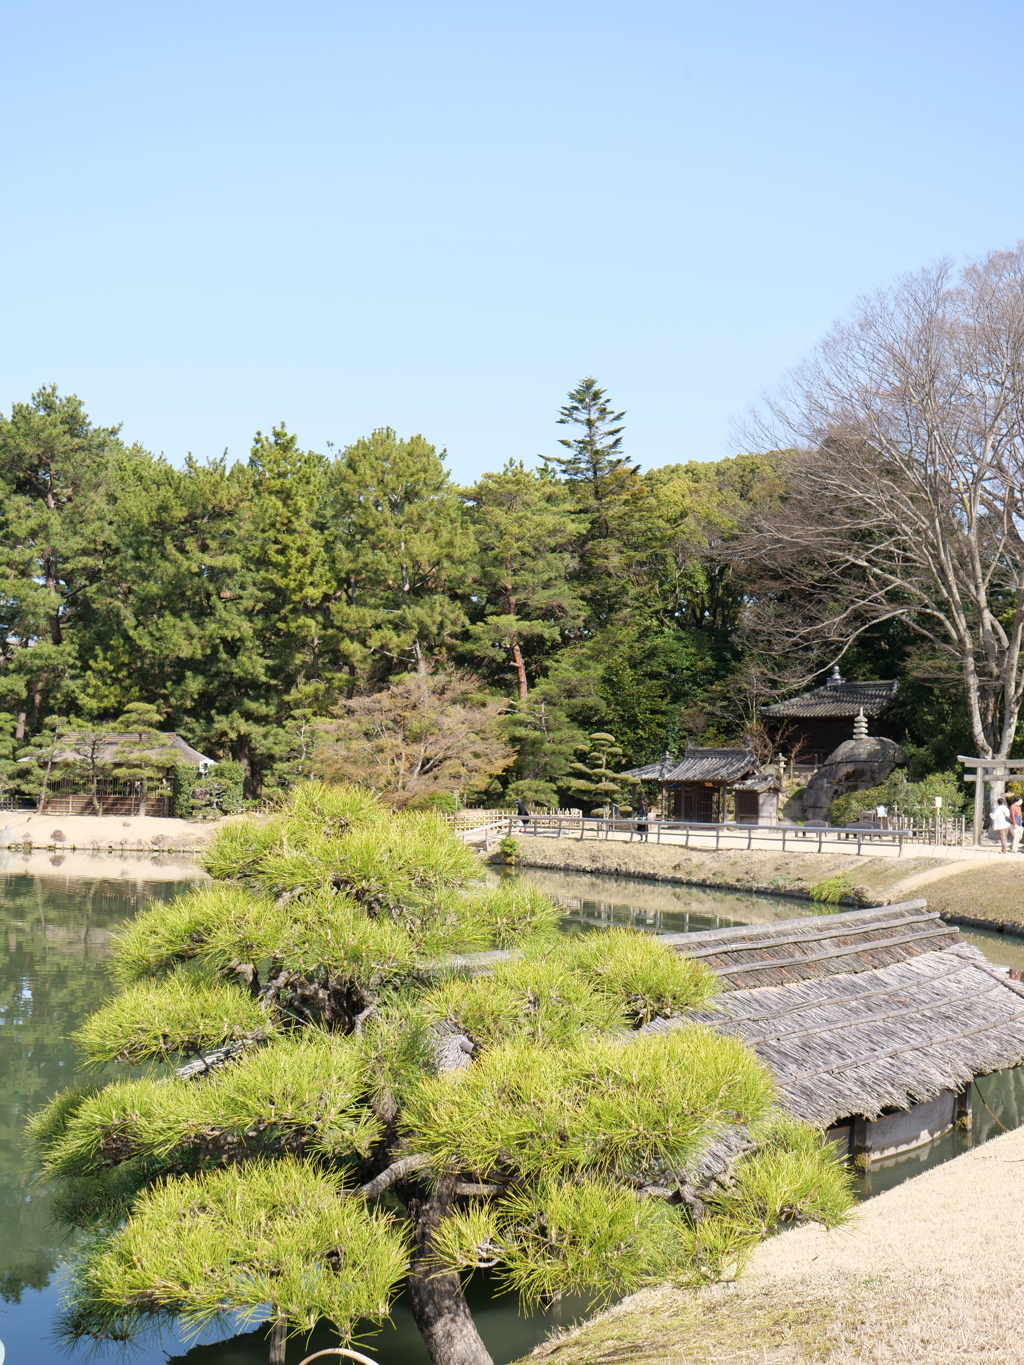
930 1272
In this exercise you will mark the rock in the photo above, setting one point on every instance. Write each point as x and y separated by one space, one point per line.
856 765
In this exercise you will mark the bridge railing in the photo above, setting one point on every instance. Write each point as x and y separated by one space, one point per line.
802 838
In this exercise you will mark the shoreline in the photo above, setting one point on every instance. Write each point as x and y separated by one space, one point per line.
957 890
927 1272
29 831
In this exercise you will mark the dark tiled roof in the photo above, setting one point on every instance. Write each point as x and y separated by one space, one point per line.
837 699
653 772
767 783
700 765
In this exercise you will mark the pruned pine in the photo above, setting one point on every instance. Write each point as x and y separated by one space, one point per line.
339 1101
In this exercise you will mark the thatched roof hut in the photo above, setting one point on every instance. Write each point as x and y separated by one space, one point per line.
864 1015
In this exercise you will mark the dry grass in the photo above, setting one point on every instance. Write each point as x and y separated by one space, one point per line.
993 891
757 870
932 1273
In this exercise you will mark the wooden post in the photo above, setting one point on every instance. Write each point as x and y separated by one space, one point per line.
979 804
860 1146
963 1106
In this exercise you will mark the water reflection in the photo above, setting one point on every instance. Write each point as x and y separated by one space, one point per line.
599 901
57 929
997 1106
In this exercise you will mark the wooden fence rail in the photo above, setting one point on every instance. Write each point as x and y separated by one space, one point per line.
799 838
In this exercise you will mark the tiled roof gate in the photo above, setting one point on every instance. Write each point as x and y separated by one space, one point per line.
837 699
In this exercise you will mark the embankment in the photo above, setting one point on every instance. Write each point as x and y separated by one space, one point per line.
857 881
104 833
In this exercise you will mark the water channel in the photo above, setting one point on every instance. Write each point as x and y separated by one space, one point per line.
56 917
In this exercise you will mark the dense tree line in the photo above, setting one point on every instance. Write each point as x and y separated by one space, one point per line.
249 601
256 606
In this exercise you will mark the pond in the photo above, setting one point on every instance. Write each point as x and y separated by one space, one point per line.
57 918
57 931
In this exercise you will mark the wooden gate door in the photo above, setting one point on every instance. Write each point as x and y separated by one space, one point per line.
698 803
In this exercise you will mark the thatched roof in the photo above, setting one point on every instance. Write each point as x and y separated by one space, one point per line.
837 699
861 1011
166 750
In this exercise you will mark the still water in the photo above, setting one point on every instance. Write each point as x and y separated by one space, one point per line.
57 919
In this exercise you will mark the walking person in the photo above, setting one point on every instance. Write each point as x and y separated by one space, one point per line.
524 816
999 820
643 812
1016 823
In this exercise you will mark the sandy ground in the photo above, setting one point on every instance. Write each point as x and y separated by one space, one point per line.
102 832
131 868
932 1271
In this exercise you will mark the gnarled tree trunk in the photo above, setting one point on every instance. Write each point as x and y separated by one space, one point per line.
438 1304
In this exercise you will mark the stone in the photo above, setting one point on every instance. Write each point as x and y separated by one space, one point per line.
856 765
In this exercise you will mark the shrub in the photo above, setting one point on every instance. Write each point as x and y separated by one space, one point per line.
509 848
915 800
183 783
348 1051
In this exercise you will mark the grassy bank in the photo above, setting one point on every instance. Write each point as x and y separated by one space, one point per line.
853 881
989 895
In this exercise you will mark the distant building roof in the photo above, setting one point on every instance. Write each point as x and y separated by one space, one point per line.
700 765
766 782
837 698
653 772
169 749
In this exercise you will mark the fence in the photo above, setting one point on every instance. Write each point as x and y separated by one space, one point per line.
114 796
950 832
799 838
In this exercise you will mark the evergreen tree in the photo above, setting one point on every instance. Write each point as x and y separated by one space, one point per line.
524 532
291 573
358 1112
58 473
604 485
593 778
41 759
401 546
595 457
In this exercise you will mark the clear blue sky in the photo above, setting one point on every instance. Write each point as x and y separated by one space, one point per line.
439 216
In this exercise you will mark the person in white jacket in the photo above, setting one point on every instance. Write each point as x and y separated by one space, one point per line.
999 819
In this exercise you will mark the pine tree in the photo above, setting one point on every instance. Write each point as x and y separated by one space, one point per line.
592 776
400 543
288 549
58 475
360 1111
595 454
524 533
604 483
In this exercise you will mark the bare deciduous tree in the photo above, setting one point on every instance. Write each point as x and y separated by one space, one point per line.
905 500
423 734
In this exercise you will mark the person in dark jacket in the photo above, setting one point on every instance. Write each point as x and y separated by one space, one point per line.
524 815
643 812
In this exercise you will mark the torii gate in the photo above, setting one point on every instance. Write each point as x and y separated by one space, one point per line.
986 771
